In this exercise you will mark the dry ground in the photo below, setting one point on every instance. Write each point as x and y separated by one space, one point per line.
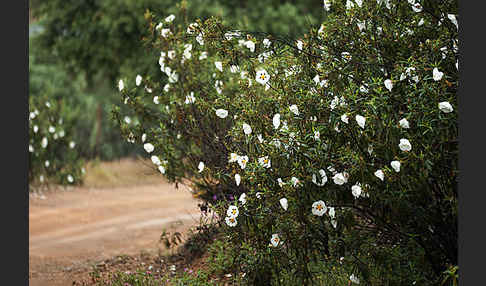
121 210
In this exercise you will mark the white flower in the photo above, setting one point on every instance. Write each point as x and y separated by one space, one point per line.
187 51
445 107
61 133
72 144
165 32
159 26
148 147
437 75
155 160
242 199
127 120
354 279
331 212
200 167
242 160
295 181
144 137
276 121
276 143
280 182
231 221
300 45
405 145
262 77
41 178
171 54
266 43
260 138
404 123
31 148
138 80
349 4
380 175
361 121
264 161
275 240
340 179
284 203
395 165
346 56
230 35
32 115
246 129
417 7
200 39
218 84
219 66
388 84
234 68
166 87
191 28
334 223
319 208
52 129
47 163
237 179
323 178
317 135
361 25
170 18
356 190
221 113
258 195
190 98
233 158
156 99
250 45
327 5
294 109
344 118
121 85
232 211
161 169
70 178
453 19
359 2
421 22
204 55
44 142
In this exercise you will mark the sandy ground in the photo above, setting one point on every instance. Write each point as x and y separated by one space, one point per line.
72 230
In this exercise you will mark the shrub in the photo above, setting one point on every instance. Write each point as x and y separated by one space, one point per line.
337 148
53 157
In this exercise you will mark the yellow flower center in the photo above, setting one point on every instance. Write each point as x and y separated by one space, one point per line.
234 211
265 161
319 207
262 76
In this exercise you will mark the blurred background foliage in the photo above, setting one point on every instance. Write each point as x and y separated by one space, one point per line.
79 49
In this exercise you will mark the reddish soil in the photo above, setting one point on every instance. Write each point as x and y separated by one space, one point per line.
70 231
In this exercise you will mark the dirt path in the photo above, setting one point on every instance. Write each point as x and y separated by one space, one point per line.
70 230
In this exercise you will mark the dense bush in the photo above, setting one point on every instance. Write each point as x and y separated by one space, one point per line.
95 134
334 151
53 157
